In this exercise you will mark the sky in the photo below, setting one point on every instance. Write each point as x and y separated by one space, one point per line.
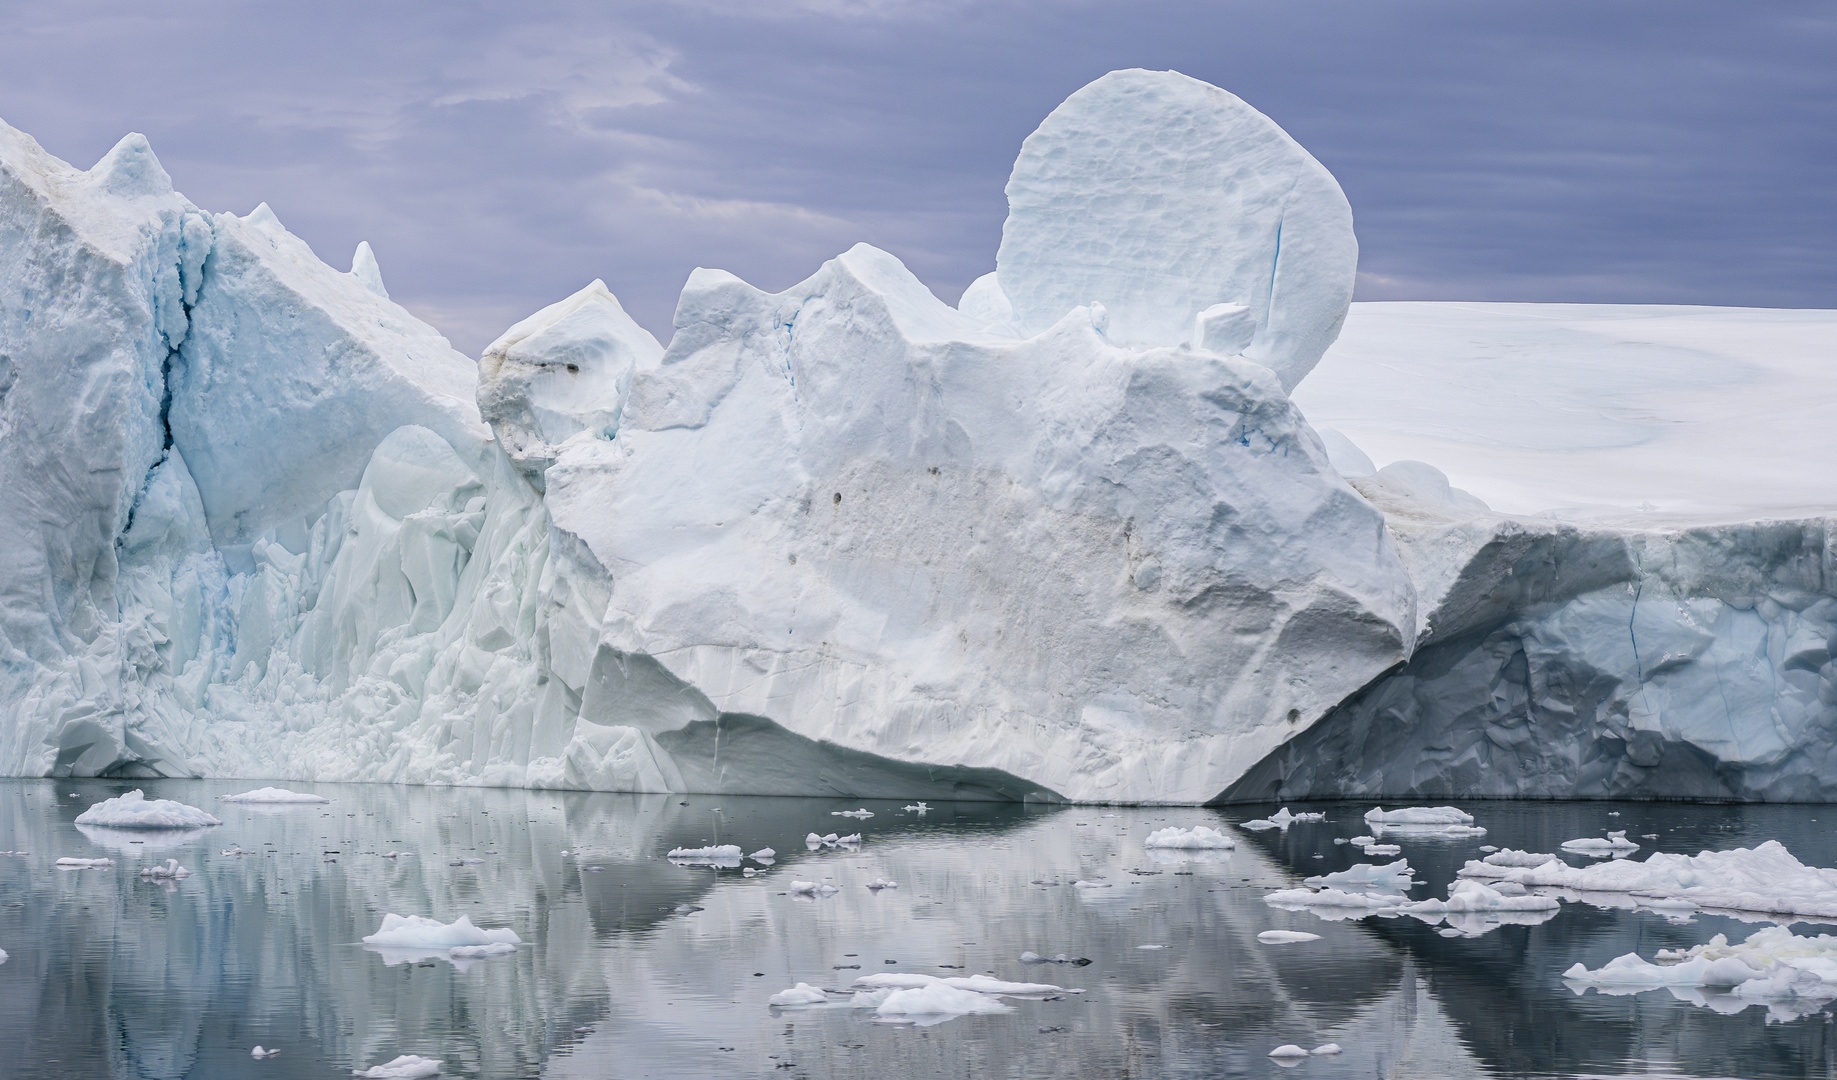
498 157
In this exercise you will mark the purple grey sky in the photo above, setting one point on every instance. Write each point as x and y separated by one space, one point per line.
500 156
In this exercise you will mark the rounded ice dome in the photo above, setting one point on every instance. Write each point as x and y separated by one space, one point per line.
1190 216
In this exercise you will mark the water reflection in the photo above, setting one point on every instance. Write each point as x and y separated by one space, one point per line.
637 966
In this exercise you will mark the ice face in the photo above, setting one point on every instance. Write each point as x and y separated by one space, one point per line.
1187 214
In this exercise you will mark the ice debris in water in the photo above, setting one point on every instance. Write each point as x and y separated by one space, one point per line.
1418 815
1334 899
813 841
1197 837
481 952
406 1067
863 813
258 1053
1281 819
764 854
801 994
882 883
918 808
1382 849
273 796
68 863
170 871
1285 937
1792 975
417 932
811 888
1614 843
2 956
135 811
1389 877
1326 1050
1091 885
1288 1050
1469 895
1031 957
1514 857
1766 878
718 855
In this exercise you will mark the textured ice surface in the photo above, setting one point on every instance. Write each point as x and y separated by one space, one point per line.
1765 879
1418 815
406 1067
1199 836
1187 214
1793 975
801 994
135 811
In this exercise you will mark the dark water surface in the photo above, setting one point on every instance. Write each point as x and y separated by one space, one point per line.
113 976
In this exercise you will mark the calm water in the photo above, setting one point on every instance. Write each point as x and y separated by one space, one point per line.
111 976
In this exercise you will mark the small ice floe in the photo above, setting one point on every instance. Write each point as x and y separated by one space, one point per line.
1154 946
1198 837
1765 878
813 841
273 796
466 862
1792 975
801 994
750 872
864 813
234 849
1091 885
934 1003
687 909
416 932
1288 1050
882 883
918 808
2 956
1383 849
1285 937
396 854
1392 877
4 854
1281 819
1326 1050
1031 957
1341 903
811 888
406 1067
1614 843
1514 857
68 863
135 811
1488 847
763 855
851 840
1418 815
258 1053
721 855
1467 895
171 871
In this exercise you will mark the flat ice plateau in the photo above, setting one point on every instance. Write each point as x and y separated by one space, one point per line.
1071 539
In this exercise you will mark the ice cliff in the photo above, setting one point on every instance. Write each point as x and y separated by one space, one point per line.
1068 540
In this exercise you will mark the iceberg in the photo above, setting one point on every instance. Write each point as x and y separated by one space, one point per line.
419 932
1197 837
135 811
1111 529
273 796
1764 879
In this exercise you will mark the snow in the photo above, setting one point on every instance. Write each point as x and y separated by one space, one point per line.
1187 214
406 1067
419 932
1418 815
135 811
1765 879
1198 837
273 796
801 994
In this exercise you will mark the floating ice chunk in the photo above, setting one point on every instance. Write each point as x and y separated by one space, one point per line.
1258 825
864 813
1418 815
481 952
1514 857
1468 895
918 808
2 956
135 811
851 840
4 854
1382 849
406 1067
811 888
1281 819
258 1053
1173 204
764 854
1388 877
1198 837
169 872
813 841
750 872
1614 843
987 984
1031 957
801 994
1326 1050
417 932
882 883
1285 937
1288 1050
273 796
1091 885
939 999
68 863
466 861
1765 878
1333 898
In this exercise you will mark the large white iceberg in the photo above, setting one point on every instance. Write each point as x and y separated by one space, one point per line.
1765 878
1070 539
135 811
